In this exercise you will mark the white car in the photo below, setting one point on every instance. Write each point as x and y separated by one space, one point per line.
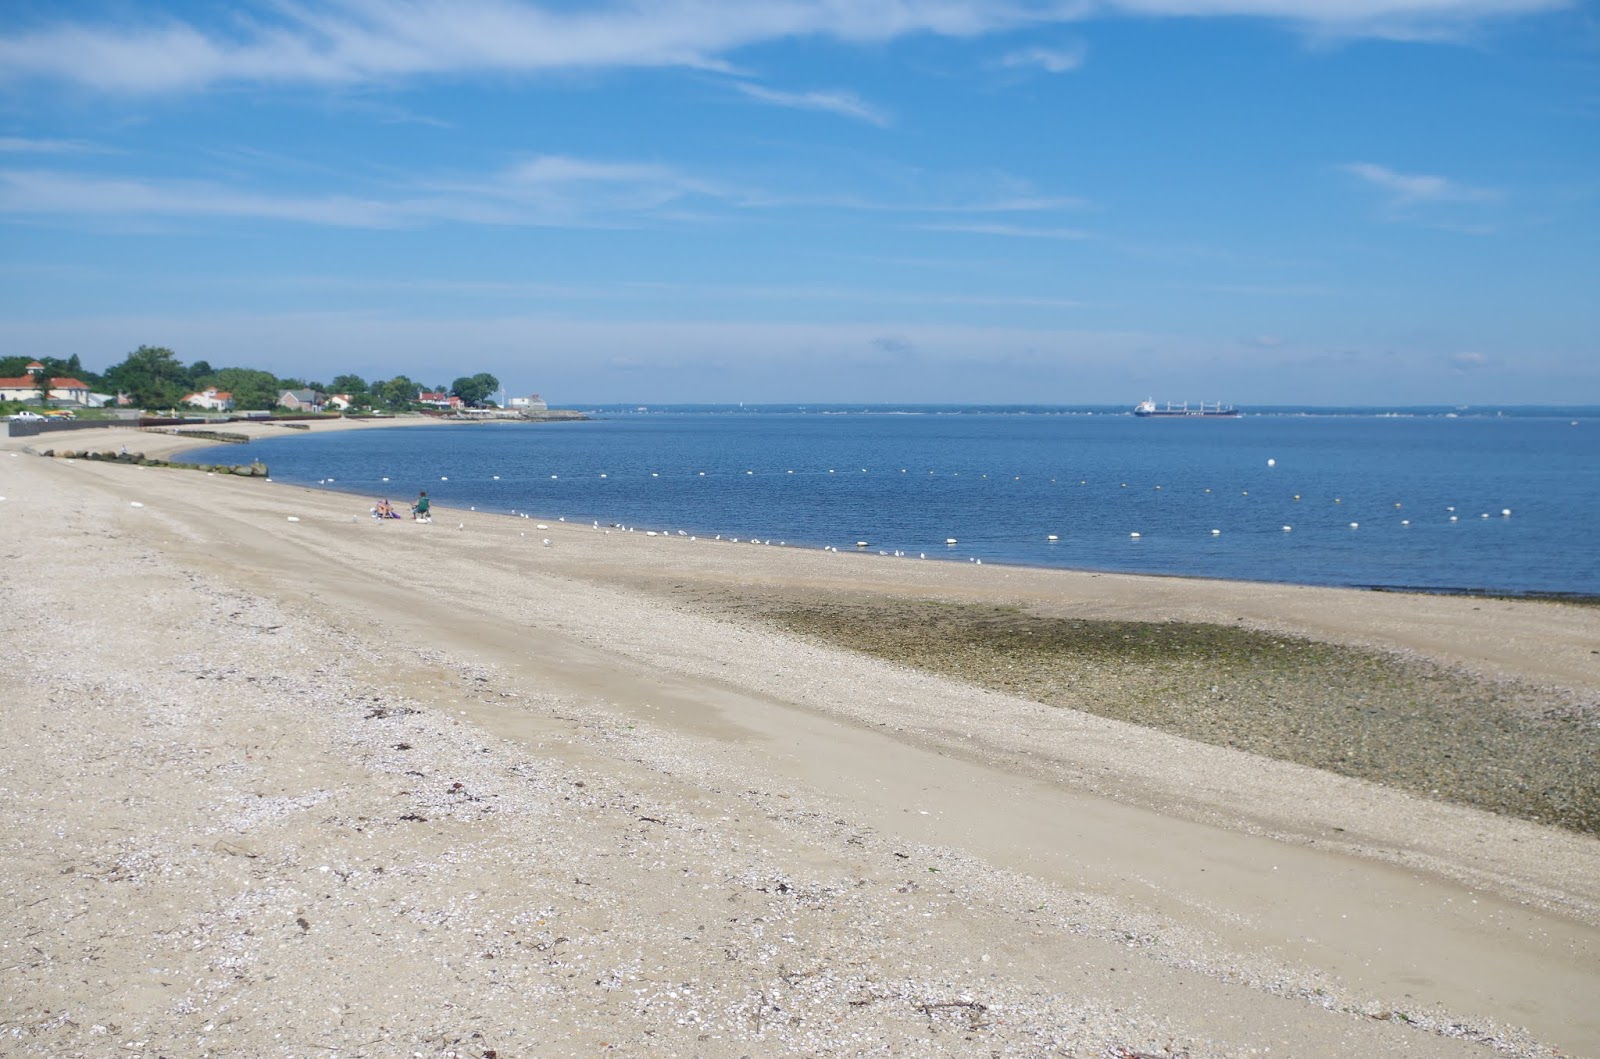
28 417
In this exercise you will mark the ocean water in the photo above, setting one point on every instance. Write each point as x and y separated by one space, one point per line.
1380 500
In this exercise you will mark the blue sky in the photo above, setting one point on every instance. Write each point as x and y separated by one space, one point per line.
1258 201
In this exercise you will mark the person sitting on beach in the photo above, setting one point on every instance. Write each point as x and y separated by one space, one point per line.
419 512
385 510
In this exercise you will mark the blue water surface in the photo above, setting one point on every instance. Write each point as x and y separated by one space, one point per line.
1002 483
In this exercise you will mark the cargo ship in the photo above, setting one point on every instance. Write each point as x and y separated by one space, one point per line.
1147 408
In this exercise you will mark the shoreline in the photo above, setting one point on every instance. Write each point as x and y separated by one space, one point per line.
1473 592
385 719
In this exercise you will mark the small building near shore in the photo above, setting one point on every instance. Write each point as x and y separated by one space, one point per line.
212 398
301 400
531 403
438 400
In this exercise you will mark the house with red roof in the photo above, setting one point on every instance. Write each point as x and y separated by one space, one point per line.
62 389
212 398
438 400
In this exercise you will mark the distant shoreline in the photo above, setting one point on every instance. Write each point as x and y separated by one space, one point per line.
179 445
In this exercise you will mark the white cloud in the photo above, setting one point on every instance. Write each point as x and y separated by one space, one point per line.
844 103
1392 19
1423 199
34 191
1051 60
546 190
1017 231
1408 189
24 145
342 42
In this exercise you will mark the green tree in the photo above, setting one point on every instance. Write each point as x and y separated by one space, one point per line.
398 392
475 389
354 385
152 376
252 389
197 371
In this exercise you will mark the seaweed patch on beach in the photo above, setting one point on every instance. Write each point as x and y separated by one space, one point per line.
1404 722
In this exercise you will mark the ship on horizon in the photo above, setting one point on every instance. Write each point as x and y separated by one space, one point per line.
1148 409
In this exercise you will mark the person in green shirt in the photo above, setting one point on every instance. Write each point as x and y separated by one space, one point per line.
420 512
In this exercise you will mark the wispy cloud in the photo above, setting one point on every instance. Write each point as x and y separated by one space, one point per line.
24 145
1422 198
1409 189
547 190
1015 231
375 41
1057 60
347 42
1414 20
847 104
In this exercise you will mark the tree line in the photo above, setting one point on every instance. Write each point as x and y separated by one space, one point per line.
154 377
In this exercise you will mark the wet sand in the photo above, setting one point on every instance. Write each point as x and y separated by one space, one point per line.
327 786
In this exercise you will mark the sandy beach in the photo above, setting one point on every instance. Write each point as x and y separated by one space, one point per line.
277 779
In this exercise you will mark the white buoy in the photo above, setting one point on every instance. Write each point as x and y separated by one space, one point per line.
1272 463
1288 529
496 477
1052 537
653 474
1452 518
702 474
442 478
1505 512
1405 522
862 544
951 540
1216 533
605 476
384 479
1355 525
1135 535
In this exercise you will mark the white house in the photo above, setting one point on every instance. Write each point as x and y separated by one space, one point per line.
63 390
531 403
212 398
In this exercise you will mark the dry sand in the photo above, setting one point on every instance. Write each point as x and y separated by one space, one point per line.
339 788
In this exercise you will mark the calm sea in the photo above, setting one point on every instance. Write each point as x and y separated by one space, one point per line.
1414 500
